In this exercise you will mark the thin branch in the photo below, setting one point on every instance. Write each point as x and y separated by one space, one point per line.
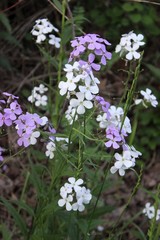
57 9
145 1
14 5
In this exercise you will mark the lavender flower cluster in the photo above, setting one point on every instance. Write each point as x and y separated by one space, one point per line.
81 85
25 124
117 128
96 47
28 125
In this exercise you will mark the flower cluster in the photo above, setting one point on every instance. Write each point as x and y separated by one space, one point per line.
95 45
111 119
129 45
125 160
38 97
42 28
81 85
74 196
117 129
26 124
151 212
51 145
148 98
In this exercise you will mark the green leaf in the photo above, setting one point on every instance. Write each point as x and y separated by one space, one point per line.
39 155
147 20
6 234
9 38
135 17
154 70
18 219
48 57
72 229
114 59
128 7
4 62
57 4
24 206
102 210
35 177
5 21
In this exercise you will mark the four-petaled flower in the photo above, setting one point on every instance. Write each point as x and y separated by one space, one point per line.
80 103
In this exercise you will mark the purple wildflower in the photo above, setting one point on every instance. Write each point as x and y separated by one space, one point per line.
113 135
52 131
10 95
24 140
93 65
104 105
5 119
94 43
113 142
14 110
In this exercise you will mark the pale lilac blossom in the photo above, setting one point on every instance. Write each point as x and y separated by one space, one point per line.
55 41
95 44
41 29
74 195
129 45
80 103
150 211
148 98
5 119
66 201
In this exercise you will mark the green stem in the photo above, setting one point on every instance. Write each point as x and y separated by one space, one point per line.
126 84
132 90
99 194
60 62
134 127
129 200
24 188
152 232
81 149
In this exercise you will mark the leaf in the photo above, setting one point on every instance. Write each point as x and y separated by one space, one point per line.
128 7
36 172
154 70
49 58
5 21
114 59
18 219
57 4
4 63
135 17
24 206
39 155
72 229
102 210
6 234
83 224
9 38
